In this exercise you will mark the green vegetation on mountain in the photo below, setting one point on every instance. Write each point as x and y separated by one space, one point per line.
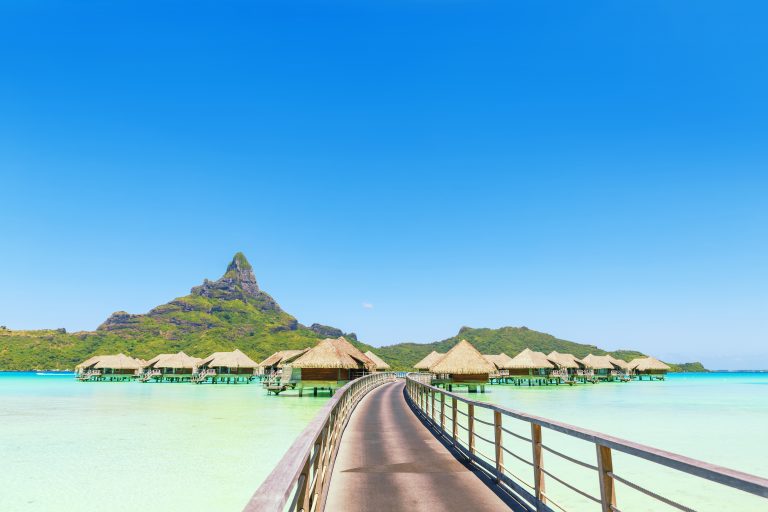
510 340
688 367
222 315
233 312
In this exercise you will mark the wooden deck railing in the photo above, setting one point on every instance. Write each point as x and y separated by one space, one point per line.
300 480
440 407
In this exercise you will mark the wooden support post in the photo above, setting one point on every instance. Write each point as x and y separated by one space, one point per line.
442 412
607 487
432 416
538 464
498 443
304 496
455 415
471 427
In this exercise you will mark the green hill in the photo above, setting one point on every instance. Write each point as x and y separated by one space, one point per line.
233 312
510 340
229 313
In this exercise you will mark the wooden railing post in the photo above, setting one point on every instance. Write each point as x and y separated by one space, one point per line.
498 444
303 501
442 412
538 464
454 413
607 486
432 416
471 427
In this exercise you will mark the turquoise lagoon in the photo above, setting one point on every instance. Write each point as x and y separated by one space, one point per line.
720 418
120 446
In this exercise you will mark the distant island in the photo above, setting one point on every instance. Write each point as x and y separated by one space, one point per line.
233 312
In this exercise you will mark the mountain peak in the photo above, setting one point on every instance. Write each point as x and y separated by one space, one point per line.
240 272
237 283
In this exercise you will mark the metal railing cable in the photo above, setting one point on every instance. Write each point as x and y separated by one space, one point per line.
420 393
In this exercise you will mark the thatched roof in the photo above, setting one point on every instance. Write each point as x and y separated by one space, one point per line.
462 359
644 364
157 358
599 362
564 360
380 363
497 360
430 359
234 359
354 352
528 360
327 354
118 362
180 360
89 362
282 357
619 362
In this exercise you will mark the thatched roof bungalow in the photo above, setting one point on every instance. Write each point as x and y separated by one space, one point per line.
229 365
179 364
109 367
332 360
529 363
497 360
463 363
381 365
622 364
565 361
604 365
429 360
279 359
649 366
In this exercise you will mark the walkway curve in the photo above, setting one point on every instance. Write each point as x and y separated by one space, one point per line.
388 460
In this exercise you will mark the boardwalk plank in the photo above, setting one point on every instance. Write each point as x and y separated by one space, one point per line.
389 461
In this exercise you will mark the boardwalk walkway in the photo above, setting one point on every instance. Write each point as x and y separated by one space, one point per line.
388 460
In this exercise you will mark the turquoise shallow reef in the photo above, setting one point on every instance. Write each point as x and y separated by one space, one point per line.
66 444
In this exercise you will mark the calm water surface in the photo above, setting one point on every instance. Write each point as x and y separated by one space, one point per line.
129 446
718 418
65 444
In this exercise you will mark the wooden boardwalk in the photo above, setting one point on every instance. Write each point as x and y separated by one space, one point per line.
388 460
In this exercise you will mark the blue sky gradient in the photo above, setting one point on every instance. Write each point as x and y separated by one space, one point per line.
596 170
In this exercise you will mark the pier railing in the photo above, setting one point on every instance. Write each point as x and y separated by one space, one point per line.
300 480
459 427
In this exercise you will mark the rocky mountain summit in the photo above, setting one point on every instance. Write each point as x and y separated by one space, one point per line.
216 297
238 283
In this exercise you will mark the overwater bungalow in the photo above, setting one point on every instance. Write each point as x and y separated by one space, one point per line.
274 363
649 366
225 367
570 369
429 360
463 365
381 365
530 366
118 367
498 361
606 367
170 368
329 365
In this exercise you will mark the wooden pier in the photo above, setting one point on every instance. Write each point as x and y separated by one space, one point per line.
386 445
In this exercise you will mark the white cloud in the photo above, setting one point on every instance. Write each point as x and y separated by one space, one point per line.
367 305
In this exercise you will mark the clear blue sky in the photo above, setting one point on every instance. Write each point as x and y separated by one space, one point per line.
596 170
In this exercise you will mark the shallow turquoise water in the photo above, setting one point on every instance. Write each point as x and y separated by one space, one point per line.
123 446
64 444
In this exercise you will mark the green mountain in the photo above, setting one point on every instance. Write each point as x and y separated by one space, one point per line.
233 312
511 341
229 313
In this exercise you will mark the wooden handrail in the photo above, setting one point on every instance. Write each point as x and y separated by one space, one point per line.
604 444
303 474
